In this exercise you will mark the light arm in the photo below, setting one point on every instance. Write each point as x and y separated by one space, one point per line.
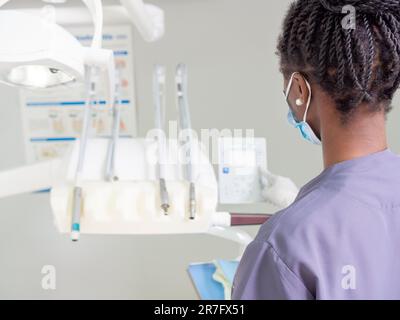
3 2
36 177
148 19
96 12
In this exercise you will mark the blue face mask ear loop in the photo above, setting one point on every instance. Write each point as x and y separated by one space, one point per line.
308 100
289 86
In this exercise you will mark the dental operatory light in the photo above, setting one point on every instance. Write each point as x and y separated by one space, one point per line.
36 53
38 76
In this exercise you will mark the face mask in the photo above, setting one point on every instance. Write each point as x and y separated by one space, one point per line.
304 128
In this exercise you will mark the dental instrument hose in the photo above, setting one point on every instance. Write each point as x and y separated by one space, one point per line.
110 162
185 125
77 195
159 95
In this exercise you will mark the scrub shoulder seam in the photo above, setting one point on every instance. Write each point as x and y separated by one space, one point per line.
289 269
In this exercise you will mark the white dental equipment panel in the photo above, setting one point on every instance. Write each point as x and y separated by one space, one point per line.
132 204
238 170
52 119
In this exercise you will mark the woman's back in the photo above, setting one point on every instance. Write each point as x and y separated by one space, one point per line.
338 240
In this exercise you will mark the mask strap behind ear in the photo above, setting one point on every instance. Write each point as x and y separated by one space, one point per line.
308 100
289 86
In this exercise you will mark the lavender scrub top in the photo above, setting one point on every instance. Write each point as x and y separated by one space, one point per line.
340 239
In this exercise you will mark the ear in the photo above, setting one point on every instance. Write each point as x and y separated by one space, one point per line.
300 92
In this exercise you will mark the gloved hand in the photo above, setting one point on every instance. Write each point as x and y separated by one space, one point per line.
277 190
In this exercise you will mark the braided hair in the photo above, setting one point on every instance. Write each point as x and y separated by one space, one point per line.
355 66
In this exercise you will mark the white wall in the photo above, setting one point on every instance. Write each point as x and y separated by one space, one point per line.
229 46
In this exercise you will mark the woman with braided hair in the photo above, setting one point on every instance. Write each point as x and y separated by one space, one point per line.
340 238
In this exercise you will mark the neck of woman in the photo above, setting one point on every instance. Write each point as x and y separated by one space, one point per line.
363 134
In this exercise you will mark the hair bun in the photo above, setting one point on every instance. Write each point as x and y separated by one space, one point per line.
363 6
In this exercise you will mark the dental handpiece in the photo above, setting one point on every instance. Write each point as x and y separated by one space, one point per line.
159 95
185 124
77 194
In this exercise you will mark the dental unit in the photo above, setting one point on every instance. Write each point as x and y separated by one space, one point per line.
112 185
